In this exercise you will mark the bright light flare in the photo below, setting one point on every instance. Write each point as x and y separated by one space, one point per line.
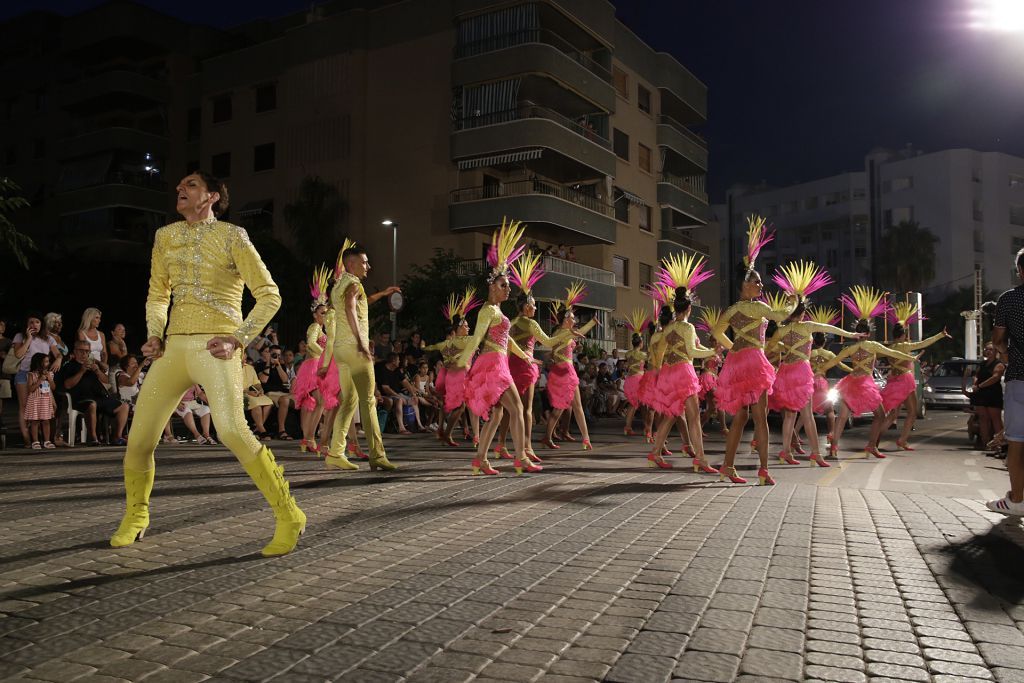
1003 16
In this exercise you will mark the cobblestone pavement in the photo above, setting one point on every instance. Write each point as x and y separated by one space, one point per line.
596 569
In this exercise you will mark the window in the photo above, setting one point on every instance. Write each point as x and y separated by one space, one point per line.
621 82
831 199
266 97
621 144
887 218
902 214
194 127
860 252
643 156
975 175
263 157
811 202
827 236
790 207
621 205
620 266
1017 214
222 108
831 258
220 165
902 183
643 99
859 193
976 211
807 236
645 218
38 148
979 240
1016 180
646 274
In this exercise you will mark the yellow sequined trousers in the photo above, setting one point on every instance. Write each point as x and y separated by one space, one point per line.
186 362
356 377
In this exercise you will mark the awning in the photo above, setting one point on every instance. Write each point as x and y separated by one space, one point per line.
630 197
498 159
257 208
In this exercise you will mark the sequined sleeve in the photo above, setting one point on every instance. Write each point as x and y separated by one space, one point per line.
483 323
718 332
313 340
330 329
159 289
693 347
918 345
533 327
883 350
257 278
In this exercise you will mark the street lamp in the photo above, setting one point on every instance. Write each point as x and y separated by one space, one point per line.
388 223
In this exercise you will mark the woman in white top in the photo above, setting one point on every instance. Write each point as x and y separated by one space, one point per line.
89 332
24 346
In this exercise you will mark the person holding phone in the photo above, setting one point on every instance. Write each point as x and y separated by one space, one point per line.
24 346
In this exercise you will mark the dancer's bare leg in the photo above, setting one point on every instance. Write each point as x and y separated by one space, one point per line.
840 425
693 423
908 423
577 410
732 442
760 412
810 428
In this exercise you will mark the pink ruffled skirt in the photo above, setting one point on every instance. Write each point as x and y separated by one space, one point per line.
793 387
307 381
631 388
562 383
676 383
859 393
524 373
455 388
745 375
441 383
646 392
485 382
897 389
708 384
821 403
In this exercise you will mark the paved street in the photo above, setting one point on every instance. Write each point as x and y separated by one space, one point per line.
596 569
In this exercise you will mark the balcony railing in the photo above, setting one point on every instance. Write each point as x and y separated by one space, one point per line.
529 110
683 130
691 184
579 271
686 241
133 178
532 187
533 35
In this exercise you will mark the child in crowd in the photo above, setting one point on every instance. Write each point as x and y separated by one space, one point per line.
40 406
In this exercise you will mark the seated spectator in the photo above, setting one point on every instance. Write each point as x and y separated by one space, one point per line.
289 364
116 346
195 404
301 353
423 384
276 384
261 343
84 380
382 344
128 379
89 332
393 385
415 346
258 405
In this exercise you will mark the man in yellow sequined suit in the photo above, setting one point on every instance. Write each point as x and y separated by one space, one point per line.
350 347
203 265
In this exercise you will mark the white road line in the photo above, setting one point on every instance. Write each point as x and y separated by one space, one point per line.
973 476
929 483
970 462
875 480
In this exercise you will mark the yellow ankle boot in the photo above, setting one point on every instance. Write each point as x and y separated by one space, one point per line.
382 462
339 460
291 521
137 485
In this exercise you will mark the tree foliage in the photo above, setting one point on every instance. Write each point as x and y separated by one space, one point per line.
14 242
315 220
907 257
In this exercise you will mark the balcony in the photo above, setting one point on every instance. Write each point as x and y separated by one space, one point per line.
685 195
111 138
531 125
555 213
558 275
113 83
534 51
692 148
118 188
673 242
684 97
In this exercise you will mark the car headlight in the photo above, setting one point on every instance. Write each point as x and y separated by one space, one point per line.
832 395
928 389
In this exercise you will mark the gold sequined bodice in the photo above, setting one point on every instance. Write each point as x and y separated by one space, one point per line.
635 362
343 336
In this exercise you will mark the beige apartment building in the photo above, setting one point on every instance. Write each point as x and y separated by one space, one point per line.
443 116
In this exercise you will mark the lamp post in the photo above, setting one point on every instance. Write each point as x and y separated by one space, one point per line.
388 223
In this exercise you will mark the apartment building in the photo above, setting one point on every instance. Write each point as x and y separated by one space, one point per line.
443 116
972 201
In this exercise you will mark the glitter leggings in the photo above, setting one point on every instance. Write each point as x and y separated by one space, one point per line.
357 389
186 362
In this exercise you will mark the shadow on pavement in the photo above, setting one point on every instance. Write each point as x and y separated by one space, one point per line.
992 561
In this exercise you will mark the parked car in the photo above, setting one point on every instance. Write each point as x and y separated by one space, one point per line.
834 375
944 388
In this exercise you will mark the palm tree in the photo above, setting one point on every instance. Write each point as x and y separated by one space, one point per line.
907 257
13 241
315 219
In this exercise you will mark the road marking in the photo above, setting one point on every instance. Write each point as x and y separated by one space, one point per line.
929 483
970 462
833 474
875 480
987 494
973 476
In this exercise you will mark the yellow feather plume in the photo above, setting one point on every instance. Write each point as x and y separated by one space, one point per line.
574 293
826 315
710 317
903 311
864 302
339 265
505 241
681 268
778 301
524 269
637 319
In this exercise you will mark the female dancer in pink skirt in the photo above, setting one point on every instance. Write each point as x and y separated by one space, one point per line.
489 383
645 390
315 394
747 376
793 389
635 360
822 403
858 389
452 384
901 385
677 385
563 383
708 376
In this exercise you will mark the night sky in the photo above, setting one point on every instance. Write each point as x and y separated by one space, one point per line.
798 89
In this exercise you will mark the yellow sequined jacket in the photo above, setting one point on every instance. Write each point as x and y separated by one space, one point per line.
203 268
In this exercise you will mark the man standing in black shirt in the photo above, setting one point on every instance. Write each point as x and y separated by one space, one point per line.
1008 339
276 386
86 384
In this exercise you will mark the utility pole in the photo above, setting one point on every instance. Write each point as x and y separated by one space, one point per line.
972 319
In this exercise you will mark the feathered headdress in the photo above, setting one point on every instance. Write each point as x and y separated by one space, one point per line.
826 315
904 313
637 321
801 278
864 302
709 318
526 271
758 235
683 270
778 301
339 265
318 286
662 294
556 306
574 294
459 307
505 248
